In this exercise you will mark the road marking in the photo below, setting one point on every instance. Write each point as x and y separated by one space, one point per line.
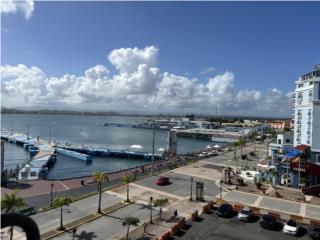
257 201
64 185
303 209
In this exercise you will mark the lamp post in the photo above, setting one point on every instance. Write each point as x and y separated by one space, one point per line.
153 140
151 200
50 132
220 189
221 181
74 231
51 195
28 131
191 183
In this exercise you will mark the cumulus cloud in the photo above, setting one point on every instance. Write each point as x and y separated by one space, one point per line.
138 85
13 6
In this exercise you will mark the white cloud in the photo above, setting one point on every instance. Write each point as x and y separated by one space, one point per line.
208 70
127 60
138 85
13 6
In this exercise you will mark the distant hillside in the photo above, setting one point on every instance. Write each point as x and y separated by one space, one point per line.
56 112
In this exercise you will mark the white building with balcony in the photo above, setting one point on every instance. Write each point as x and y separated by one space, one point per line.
306 110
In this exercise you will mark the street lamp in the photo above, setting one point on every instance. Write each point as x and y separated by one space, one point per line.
151 199
221 183
51 195
191 181
74 231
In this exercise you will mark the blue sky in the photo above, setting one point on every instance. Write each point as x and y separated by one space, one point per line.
265 45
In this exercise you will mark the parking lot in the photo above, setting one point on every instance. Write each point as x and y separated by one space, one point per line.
213 227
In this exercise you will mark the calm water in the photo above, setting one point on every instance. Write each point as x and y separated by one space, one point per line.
87 130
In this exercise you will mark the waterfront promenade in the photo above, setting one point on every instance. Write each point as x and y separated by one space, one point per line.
81 214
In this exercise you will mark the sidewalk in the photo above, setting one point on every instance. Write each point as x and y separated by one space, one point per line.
284 208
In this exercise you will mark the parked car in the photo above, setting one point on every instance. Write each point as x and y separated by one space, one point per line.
246 214
225 210
315 232
268 221
291 227
162 181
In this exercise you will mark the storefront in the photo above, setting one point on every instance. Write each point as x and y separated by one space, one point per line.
305 173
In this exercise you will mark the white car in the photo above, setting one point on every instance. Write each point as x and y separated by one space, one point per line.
246 214
291 227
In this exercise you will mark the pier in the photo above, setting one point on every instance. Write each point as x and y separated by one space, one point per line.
43 154
114 153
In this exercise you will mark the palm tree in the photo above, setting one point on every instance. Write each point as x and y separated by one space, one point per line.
100 177
159 203
127 179
60 202
241 143
235 144
273 181
10 203
130 221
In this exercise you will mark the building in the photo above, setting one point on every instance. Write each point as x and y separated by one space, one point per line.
284 140
306 111
280 125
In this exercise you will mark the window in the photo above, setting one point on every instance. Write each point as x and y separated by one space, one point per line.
318 158
311 83
279 141
300 85
33 174
287 140
24 174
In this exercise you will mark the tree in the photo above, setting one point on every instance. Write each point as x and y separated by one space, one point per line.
273 181
127 179
10 203
60 202
235 145
241 143
100 177
130 221
159 203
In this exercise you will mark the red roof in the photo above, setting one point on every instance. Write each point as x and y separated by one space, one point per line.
302 147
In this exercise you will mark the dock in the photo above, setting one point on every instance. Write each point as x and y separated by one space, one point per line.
43 154
114 153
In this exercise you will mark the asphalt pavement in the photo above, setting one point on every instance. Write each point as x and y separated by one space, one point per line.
216 228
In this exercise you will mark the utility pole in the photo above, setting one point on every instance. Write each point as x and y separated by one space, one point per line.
153 140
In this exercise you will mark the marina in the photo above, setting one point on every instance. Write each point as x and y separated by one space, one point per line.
110 148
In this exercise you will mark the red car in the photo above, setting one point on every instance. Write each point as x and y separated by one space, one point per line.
162 181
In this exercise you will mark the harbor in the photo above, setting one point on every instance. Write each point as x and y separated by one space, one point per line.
42 154
81 145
